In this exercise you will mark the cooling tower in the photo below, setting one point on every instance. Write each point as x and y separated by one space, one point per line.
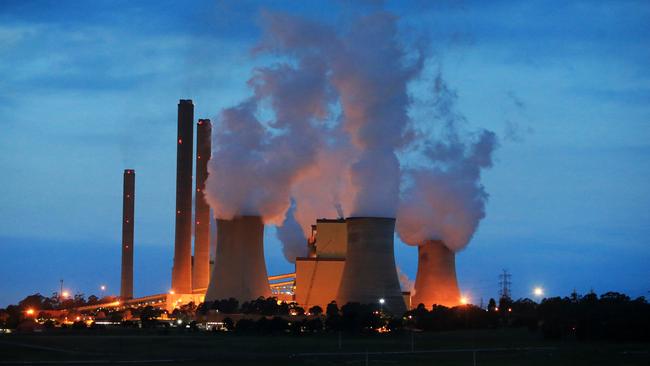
182 270
239 268
436 282
128 206
201 267
370 273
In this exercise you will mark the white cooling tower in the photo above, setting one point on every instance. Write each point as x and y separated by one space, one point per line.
239 269
370 273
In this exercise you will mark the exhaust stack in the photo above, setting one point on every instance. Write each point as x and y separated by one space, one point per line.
370 273
239 268
201 268
128 208
435 282
182 270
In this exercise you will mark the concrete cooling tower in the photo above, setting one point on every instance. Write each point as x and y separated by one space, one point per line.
239 268
370 273
435 282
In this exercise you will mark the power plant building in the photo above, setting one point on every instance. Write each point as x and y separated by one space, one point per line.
349 260
182 268
319 275
128 208
201 262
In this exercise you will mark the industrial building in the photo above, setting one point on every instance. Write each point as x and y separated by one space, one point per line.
349 259
319 275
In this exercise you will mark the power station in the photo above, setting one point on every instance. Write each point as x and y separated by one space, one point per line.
350 259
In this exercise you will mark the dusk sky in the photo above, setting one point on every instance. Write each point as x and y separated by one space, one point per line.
88 89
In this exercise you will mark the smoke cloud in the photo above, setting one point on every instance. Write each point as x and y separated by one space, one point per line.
339 110
291 236
324 126
255 162
405 282
444 199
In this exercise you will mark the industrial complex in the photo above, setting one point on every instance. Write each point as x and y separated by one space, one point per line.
350 259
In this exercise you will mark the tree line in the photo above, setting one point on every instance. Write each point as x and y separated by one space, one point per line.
610 316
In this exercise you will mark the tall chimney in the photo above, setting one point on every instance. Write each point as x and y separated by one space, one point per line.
239 268
435 282
201 268
128 207
182 270
370 273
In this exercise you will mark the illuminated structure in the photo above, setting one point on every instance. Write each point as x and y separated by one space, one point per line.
370 273
128 208
182 269
319 275
435 282
239 268
201 262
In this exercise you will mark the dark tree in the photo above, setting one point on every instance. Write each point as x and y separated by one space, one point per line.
492 305
333 320
316 310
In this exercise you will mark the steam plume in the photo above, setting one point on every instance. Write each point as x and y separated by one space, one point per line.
445 200
291 236
255 163
323 127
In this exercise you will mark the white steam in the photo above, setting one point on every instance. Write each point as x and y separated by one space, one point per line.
444 199
323 127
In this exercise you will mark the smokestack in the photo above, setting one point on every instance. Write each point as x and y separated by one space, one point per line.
370 273
436 282
201 268
128 207
182 270
239 268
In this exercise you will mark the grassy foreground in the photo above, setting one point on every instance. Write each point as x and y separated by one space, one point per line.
484 347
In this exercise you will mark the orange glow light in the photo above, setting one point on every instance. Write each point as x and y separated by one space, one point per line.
30 311
464 300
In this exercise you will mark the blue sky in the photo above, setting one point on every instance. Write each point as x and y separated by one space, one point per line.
88 89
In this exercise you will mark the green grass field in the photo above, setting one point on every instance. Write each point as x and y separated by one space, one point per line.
491 347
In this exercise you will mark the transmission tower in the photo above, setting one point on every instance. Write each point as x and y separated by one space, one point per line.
504 284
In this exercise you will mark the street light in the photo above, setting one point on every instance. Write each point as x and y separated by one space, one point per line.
381 305
538 291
